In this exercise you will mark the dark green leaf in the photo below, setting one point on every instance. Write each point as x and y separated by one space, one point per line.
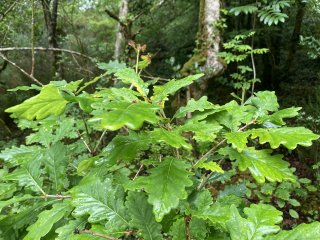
142 217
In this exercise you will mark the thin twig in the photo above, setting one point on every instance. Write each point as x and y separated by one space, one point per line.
59 196
205 179
84 142
20 69
137 174
11 7
251 54
85 231
46 49
32 41
100 139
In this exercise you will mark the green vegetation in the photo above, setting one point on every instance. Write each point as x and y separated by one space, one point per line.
147 145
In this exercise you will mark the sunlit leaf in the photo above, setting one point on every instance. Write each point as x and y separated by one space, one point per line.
48 102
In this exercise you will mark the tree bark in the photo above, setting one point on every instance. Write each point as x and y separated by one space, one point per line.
208 46
123 14
50 14
296 33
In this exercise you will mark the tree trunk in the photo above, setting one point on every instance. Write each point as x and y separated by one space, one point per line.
50 14
296 33
123 14
208 46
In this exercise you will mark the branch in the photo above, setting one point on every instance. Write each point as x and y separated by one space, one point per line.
58 196
32 41
85 231
20 69
3 15
115 17
45 49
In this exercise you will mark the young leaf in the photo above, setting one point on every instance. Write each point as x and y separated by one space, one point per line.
129 76
303 231
261 164
192 105
289 137
101 201
160 93
212 166
293 214
115 115
142 217
47 219
238 139
48 102
166 185
171 138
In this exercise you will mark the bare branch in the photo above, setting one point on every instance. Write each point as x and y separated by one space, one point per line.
45 49
58 196
11 7
20 69
32 41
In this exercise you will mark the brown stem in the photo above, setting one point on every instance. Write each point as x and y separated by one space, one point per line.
20 69
187 227
45 49
58 196
85 231
32 41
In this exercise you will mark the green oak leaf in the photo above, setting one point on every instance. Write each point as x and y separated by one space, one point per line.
19 155
101 201
216 213
129 76
203 131
47 219
262 220
160 93
261 164
264 101
289 137
48 102
166 185
26 215
171 138
111 66
28 175
66 232
142 217
125 148
238 139
212 166
13 200
56 165
277 117
303 231
115 115
197 229
193 105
